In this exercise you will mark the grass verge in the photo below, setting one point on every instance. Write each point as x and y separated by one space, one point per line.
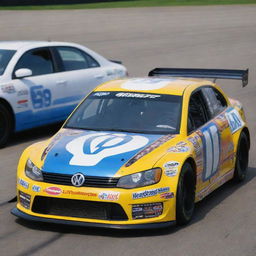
131 3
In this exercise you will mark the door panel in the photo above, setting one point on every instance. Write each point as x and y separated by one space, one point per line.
80 73
211 139
37 93
218 147
40 96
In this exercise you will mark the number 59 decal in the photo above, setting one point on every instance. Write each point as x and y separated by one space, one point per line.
211 145
40 97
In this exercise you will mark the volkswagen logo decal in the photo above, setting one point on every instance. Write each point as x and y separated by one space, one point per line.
78 179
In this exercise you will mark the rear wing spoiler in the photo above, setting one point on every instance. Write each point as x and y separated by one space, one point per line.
203 73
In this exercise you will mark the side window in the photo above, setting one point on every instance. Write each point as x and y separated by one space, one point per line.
91 61
196 112
39 61
215 102
74 59
221 100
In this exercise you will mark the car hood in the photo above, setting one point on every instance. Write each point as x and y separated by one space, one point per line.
93 153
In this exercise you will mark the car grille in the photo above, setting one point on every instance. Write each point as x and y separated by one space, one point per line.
90 181
78 208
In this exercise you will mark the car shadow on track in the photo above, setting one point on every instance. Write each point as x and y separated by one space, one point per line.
34 134
202 208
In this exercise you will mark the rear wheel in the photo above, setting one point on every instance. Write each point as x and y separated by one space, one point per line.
185 201
242 158
5 125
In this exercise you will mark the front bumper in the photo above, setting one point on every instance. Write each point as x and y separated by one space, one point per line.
28 209
23 215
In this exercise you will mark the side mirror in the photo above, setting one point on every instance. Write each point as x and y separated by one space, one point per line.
23 72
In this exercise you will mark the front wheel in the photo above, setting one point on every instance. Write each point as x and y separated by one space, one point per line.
5 125
185 201
242 158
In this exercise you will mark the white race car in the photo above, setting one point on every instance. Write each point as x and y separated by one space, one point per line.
42 82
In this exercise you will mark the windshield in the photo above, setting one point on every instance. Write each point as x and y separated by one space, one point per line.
5 56
131 112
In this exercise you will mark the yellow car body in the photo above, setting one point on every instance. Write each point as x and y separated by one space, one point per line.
155 203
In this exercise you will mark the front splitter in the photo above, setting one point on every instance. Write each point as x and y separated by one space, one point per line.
29 217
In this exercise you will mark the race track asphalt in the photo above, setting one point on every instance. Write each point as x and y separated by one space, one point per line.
144 38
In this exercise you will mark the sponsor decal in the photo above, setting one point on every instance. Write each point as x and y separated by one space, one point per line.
23 183
167 195
24 199
54 191
8 88
234 119
171 168
136 209
149 149
79 193
22 93
235 103
36 188
146 84
22 103
149 193
179 149
100 94
197 143
151 210
221 121
109 196
181 143
91 149
136 95
221 118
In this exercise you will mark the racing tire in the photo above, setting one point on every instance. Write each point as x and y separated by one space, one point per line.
242 158
6 125
185 200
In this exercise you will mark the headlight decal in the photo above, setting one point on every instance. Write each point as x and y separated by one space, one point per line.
149 149
140 179
32 171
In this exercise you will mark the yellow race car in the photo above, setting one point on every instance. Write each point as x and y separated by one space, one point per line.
137 153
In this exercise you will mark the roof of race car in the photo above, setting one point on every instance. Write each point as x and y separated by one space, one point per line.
173 86
16 45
